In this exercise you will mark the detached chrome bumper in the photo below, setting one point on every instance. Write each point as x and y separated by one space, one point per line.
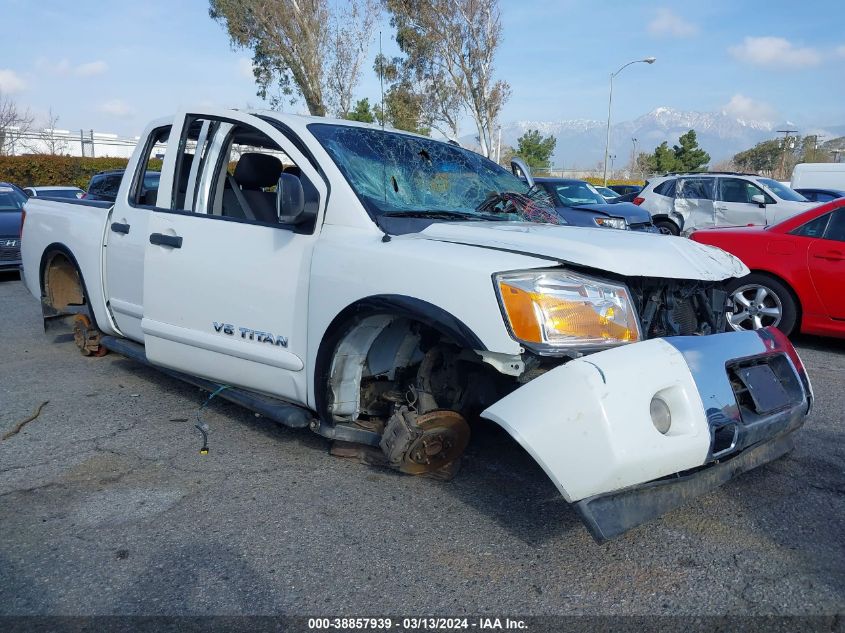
734 399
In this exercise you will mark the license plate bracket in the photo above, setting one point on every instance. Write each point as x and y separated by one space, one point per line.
764 387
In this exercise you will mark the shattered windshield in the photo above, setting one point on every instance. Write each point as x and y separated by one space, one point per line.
398 174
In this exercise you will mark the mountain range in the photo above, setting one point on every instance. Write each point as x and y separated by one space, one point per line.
580 142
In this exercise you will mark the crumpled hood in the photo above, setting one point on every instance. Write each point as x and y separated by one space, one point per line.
627 210
629 253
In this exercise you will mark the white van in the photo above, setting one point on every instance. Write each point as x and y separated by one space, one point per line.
818 175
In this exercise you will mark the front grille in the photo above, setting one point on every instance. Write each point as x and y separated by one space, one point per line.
10 253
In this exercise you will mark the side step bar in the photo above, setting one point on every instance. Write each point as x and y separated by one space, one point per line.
274 409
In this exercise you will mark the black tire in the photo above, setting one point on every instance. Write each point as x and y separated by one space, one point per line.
759 295
667 227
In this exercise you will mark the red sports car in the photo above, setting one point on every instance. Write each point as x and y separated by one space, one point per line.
797 279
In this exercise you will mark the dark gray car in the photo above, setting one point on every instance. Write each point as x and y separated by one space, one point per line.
580 204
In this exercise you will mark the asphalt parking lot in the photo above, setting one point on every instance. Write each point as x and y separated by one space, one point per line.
106 507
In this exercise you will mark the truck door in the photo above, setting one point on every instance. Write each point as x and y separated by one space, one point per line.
127 233
225 283
735 206
827 265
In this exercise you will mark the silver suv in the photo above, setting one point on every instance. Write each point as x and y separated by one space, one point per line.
682 203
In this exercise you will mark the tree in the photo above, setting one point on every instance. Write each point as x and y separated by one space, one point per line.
535 149
764 158
449 48
662 160
689 156
302 47
52 143
686 156
403 103
361 112
15 125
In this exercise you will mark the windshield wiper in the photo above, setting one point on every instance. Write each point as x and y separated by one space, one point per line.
439 214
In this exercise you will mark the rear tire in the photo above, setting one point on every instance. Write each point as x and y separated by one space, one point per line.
760 300
667 227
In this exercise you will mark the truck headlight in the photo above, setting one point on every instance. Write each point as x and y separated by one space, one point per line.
559 308
611 223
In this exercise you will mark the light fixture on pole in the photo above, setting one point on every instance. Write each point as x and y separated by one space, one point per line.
647 60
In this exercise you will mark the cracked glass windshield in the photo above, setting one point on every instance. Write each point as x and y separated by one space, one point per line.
398 175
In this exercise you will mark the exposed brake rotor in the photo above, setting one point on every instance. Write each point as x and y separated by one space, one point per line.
419 444
87 337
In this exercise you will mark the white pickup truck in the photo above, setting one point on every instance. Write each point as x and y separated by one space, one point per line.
385 289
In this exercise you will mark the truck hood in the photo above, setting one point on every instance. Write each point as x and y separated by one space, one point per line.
631 212
628 253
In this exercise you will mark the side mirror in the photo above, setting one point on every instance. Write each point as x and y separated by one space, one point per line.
290 199
521 170
759 199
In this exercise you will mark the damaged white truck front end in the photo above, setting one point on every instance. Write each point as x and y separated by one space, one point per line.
632 432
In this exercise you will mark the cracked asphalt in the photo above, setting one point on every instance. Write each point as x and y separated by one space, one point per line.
106 507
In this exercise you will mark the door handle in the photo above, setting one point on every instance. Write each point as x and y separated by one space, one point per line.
831 256
119 227
173 241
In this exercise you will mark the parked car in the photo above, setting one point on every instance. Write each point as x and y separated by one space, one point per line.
54 192
383 294
797 272
11 203
105 185
821 195
687 202
580 204
818 176
607 193
624 190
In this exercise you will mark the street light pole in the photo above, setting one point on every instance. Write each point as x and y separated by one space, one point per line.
647 60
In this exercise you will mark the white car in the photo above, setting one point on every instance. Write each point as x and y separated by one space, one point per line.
682 203
381 288
54 192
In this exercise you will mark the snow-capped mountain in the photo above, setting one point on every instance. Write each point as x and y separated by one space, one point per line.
580 142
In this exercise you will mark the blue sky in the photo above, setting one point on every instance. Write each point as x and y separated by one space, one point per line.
114 65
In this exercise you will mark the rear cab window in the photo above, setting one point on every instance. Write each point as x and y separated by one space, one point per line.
144 190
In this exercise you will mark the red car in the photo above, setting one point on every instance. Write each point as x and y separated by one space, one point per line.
797 279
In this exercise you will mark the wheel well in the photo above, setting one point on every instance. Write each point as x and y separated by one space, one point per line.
397 328
789 288
663 216
62 285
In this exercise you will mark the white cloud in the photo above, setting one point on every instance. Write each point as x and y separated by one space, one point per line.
90 69
10 81
746 108
64 68
117 108
245 68
668 23
774 52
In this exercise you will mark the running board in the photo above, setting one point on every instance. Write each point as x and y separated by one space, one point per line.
284 413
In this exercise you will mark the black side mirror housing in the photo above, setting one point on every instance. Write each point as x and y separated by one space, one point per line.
290 200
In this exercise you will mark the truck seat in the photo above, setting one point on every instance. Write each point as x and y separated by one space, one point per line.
253 173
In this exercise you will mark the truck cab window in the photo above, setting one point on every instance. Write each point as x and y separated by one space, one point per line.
144 192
